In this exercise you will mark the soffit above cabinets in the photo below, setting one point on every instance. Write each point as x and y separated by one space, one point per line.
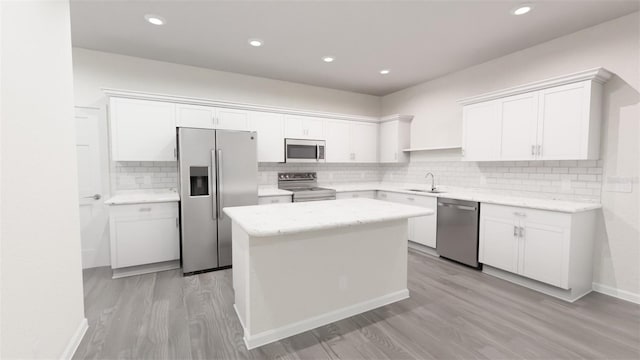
416 40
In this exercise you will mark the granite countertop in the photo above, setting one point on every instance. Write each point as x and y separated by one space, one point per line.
473 195
143 197
291 218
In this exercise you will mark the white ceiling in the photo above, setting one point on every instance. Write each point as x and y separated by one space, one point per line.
418 40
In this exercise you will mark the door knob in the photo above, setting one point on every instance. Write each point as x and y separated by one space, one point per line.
94 197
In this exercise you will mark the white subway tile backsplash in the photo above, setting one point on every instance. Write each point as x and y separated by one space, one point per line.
565 180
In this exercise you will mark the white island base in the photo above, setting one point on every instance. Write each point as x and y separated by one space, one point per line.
289 283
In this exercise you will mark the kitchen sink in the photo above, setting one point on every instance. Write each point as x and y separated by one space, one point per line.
436 191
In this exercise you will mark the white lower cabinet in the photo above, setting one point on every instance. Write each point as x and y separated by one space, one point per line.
422 229
278 199
550 247
369 194
143 234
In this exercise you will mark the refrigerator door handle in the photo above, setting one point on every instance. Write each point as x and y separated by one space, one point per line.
213 181
220 180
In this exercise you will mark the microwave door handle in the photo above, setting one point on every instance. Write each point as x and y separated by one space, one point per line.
317 152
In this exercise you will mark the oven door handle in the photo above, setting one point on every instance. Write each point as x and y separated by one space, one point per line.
317 152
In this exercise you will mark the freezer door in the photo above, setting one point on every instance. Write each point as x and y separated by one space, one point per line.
198 210
236 153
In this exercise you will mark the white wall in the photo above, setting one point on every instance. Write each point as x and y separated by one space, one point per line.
614 45
94 70
41 279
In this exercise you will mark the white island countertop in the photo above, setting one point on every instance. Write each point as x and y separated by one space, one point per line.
290 218
143 197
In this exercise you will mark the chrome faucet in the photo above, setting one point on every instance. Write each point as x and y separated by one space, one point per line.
433 181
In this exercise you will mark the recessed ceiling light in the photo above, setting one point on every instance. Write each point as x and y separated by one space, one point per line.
255 42
521 10
385 71
328 59
155 19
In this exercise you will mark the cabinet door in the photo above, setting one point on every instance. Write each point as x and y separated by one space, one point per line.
424 227
481 131
389 141
314 128
270 128
195 116
142 130
338 142
498 243
231 119
145 238
294 127
563 122
543 253
364 141
519 126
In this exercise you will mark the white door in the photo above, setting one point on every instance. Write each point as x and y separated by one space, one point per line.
270 128
364 141
542 255
499 243
231 119
94 217
563 125
338 145
481 131
294 127
519 126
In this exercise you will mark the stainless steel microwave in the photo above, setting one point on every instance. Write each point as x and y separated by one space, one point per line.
300 150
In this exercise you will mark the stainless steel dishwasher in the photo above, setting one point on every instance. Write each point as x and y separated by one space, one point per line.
457 231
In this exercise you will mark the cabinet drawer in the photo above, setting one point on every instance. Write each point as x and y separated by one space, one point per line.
371 194
526 215
264 200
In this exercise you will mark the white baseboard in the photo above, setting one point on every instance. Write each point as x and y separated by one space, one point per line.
269 336
617 293
423 249
75 340
145 269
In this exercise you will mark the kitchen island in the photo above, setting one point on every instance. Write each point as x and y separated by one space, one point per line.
298 266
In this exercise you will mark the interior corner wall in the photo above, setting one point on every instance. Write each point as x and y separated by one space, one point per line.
614 45
42 308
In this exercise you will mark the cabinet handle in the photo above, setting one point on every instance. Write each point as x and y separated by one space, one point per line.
533 149
145 209
462 152
410 198
517 213
539 149
515 230
274 201
177 223
521 232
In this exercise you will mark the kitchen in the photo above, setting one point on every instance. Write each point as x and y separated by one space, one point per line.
507 171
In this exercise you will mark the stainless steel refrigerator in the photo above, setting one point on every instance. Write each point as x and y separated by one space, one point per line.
218 168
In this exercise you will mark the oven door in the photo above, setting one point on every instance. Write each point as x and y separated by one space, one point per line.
297 150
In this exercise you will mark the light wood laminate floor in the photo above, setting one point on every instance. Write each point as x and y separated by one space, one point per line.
453 313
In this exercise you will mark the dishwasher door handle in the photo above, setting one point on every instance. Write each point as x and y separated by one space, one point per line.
459 207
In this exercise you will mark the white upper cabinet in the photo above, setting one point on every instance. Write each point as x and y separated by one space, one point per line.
338 141
555 119
519 127
270 129
208 117
304 127
481 134
231 119
364 142
142 130
351 141
394 136
195 116
564 123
